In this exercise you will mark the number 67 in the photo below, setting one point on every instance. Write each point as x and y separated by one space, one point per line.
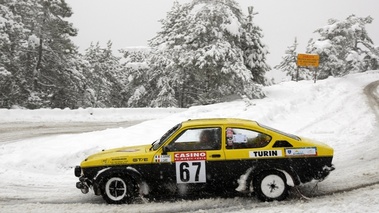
190 172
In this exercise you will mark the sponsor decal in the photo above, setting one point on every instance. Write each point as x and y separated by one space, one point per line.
119 159
162 158
115 161
190 156
265 153
239 138
306 151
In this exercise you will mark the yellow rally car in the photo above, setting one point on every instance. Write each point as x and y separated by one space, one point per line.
207 155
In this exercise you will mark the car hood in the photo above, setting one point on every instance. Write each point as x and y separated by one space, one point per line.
118 156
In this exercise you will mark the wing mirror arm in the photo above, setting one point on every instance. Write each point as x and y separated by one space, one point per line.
165 149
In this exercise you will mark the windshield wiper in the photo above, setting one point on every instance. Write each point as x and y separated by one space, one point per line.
152 145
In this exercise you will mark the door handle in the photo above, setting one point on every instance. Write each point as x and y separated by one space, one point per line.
216 156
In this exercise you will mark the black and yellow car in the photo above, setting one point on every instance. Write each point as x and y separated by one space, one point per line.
216 155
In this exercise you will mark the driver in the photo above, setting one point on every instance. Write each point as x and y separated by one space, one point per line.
206 140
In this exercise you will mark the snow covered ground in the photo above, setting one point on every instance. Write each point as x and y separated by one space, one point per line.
36 175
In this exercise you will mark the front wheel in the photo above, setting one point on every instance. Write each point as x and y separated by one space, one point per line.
117 190
270 186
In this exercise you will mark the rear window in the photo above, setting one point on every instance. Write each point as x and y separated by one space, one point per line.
280 132
237 138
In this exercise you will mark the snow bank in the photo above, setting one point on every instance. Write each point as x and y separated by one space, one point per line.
85 115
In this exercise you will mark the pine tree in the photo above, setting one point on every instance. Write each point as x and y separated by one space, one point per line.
198 57
12 34
289 60
344 47
167 70
255 51
289 64
135 70
41 53
104 75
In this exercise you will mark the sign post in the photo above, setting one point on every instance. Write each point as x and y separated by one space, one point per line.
307 60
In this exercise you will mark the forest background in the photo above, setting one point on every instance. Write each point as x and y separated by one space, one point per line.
206 52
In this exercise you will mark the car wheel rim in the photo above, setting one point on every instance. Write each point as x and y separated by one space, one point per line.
115 188
272 186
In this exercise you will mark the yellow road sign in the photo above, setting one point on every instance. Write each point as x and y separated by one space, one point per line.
308 60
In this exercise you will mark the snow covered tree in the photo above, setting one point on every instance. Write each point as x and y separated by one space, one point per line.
344 47
255 51
12 34
202 53
135 69
288 63
104 75
37 53
166 63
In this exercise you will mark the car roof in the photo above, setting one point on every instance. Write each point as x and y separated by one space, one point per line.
218 121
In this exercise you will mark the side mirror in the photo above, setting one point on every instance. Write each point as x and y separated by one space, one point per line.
165 149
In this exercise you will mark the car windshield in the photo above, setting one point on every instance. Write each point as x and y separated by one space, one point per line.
159 142
280 132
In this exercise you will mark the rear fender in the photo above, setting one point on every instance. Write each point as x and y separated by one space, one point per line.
291 176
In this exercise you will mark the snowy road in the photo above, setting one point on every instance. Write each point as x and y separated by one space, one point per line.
25 130
36 173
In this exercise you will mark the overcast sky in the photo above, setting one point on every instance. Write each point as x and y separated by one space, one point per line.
133 22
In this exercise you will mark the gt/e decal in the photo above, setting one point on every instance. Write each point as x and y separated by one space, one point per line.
140 159
190 172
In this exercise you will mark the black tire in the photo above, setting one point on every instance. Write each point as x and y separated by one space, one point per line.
271 185
117 190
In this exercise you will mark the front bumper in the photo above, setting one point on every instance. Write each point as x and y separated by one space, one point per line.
83 183
78 171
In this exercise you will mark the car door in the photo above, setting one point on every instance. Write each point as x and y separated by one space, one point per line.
241 145
196 154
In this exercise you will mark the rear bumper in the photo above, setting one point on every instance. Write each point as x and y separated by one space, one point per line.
325 172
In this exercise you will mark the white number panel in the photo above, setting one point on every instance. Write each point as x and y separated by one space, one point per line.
190 172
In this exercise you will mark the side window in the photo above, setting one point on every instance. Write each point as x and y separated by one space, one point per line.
197 139
237 138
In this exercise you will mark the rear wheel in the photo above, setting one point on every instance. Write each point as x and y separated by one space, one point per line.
117 190
271 185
